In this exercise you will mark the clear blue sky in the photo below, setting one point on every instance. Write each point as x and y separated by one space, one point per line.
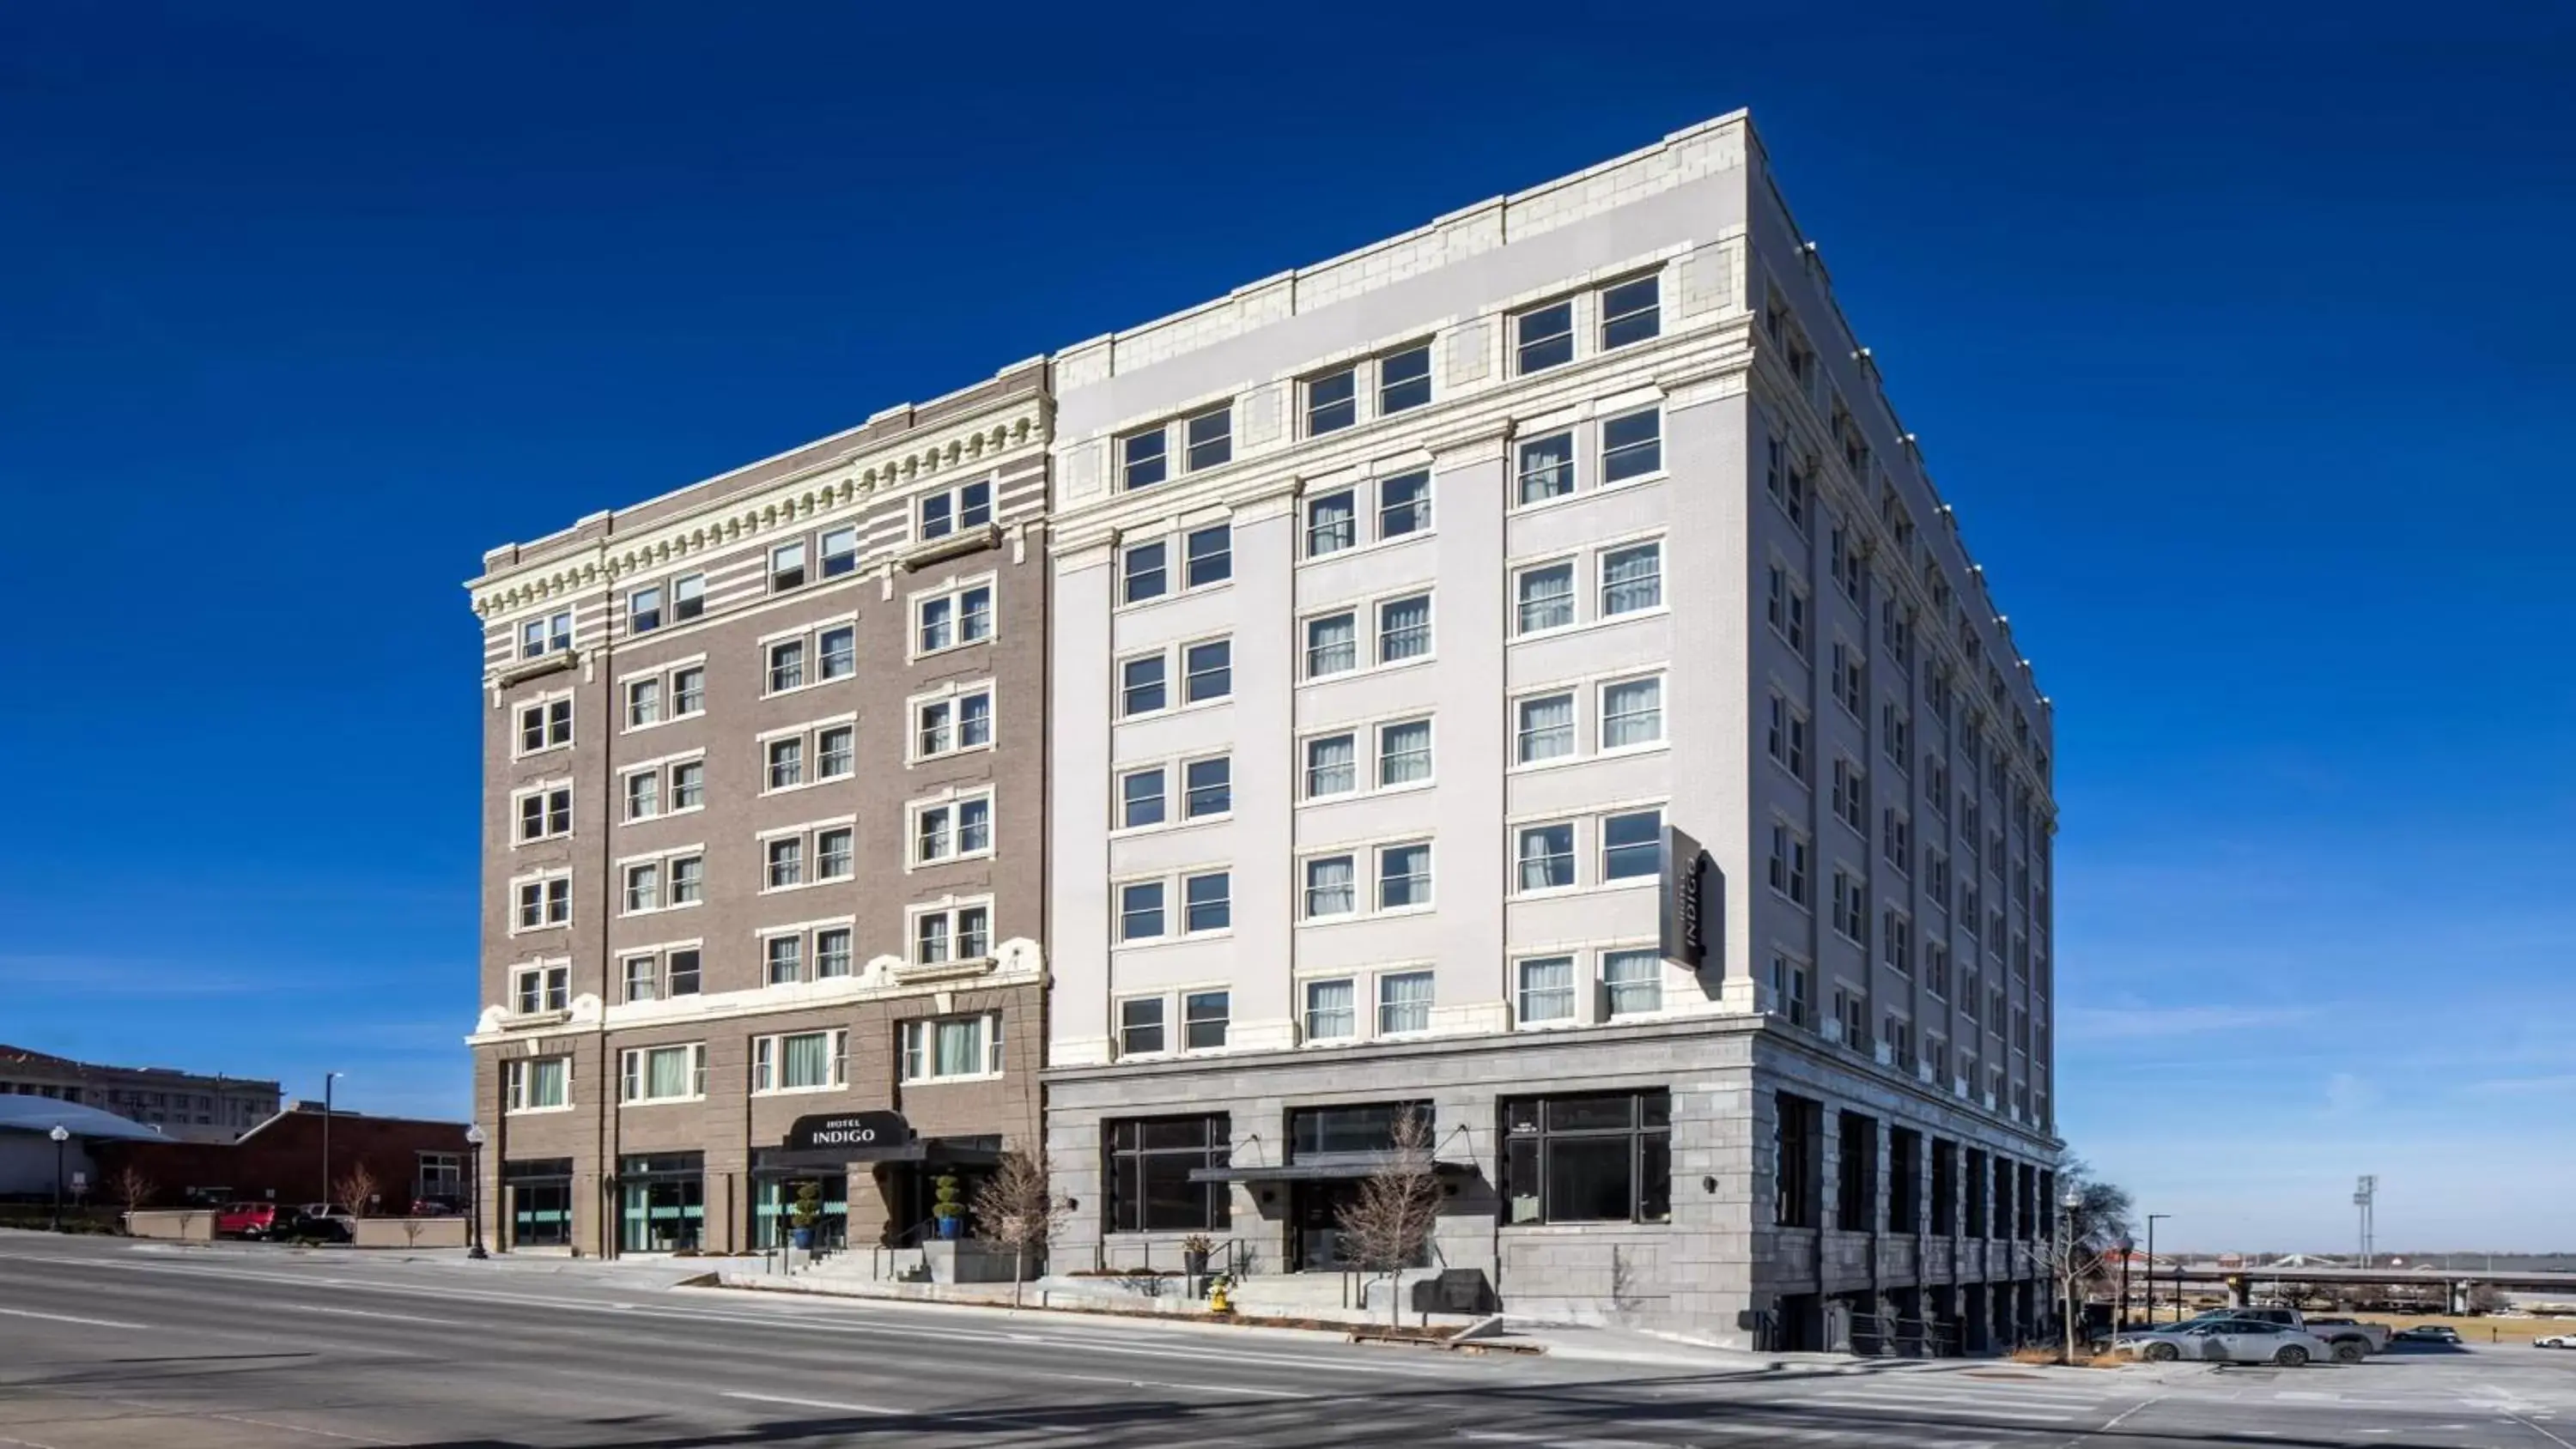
2238 342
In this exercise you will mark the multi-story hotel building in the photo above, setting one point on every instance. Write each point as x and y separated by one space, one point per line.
762 838
1520 673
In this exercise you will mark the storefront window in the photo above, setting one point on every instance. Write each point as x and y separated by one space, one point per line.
1150 1161
1326 1132
539 1195
662 1201
773 1207
1600 1158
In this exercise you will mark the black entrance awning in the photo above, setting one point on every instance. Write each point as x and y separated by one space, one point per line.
1349 1168
939 1151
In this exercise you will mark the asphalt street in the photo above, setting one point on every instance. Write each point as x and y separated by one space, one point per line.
106 1344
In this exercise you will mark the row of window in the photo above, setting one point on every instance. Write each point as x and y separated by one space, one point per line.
936 1049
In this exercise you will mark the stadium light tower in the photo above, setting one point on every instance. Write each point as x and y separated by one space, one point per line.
2362 1193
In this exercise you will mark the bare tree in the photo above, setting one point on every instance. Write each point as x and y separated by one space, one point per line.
1017 1206
355 1190
1384 1229
130 1186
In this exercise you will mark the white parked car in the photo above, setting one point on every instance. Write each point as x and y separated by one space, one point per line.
2226 1340
2555 1340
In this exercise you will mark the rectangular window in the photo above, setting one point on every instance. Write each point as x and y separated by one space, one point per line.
1632 845
688 880
840 552
1208 902
643 978
644 795
833 854
643 703
1141 459
949 1047
1403 504
1404 1002
1546 857
835 752
787 666
1331 1011
1604 1158
1545 727
1208 670
1546 468
1632 713
1632 578
1403 876
787 566
1332 402
1546 596
1149 1163
1789 864
1141 688
1146 575
1404 380
1547 990
1332 644
1630 312
542 988
1633 982
643 888
840 651
1210 555
1210 787
1140 911
1404 752
1632 446
807 1061
663 1074
831 954
1140 1025
1211 438
786 862
1331 766
644 611
688 691
1140 798
688 785
1331 886
688 597
786 960
1404 629
1543 337
786 763
1332 523
539 1084
945 621
1203 1020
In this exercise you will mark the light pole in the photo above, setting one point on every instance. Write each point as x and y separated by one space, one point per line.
328 1079
2066 1206
2152 1220
474 1190
60 1135
2128 1250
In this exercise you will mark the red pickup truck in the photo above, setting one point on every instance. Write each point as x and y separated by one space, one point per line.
246 1220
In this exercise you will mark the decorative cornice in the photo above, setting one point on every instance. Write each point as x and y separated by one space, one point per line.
862 472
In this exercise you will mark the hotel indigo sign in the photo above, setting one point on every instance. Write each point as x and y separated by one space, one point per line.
857 1132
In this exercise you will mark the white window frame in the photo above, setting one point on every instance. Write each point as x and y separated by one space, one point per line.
632 1077
769 1062
916 1054
546 882
1601 715
553 987
954 515
955 593
518 1075
954 916
954 802
545 708
953 700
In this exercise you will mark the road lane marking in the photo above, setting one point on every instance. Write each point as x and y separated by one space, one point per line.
1963 1411
2543 1433
67 1318
2116 1421
1154 1384
838 1408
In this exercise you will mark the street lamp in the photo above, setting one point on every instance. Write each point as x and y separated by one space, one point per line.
60 1136
474 1190
328 1078
2066 1206
2152 1219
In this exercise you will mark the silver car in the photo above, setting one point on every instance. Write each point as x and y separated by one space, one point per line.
2225 1340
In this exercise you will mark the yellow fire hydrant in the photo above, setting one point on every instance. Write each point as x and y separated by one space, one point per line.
1218 1302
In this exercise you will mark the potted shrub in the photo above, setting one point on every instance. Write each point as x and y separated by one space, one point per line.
1194 1253
803 1214
946 1207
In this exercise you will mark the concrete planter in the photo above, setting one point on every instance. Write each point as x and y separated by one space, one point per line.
968 1261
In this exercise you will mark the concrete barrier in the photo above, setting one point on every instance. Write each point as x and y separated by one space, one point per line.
182 1225
411 1232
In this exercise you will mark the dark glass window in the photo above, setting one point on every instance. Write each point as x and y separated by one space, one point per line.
1315 1132
1603 1157
1150 1160
1794 1125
